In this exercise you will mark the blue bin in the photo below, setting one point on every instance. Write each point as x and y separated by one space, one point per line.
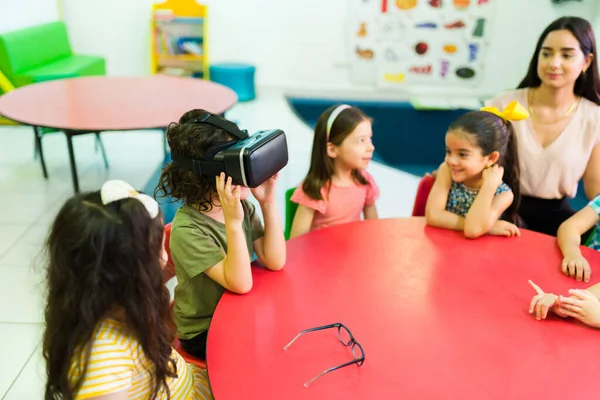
238 77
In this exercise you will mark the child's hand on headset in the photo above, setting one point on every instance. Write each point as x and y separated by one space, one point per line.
265 193
229 197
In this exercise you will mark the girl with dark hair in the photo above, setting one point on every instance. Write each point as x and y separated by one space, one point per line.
479 180
560 143
107 314
337 188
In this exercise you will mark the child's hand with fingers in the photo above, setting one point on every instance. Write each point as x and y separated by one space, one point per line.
577 267
492 176
504 228
229 197
265 193
582 305
542 302
433 173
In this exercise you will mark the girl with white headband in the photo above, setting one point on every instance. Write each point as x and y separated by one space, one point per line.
337 188
107 318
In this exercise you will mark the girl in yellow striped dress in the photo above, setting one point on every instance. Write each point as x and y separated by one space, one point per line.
107 314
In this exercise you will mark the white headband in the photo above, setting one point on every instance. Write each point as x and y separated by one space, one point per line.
115 190
334 114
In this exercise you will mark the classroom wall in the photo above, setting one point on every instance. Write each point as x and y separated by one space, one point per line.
298 45
18 14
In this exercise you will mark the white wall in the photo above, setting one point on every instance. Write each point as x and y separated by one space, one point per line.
297 44
118 30
18 14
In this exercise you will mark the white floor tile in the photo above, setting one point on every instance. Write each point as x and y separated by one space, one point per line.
10 235
18 344
31 380
22 293
25 207
17 144
27 250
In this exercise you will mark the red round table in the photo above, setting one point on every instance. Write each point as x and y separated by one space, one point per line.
97 104
438 316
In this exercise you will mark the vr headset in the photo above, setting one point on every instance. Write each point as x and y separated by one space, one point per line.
248 160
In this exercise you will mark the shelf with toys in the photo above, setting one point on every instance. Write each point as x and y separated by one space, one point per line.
179 39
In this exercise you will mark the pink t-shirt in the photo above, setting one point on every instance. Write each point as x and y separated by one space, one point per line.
342 204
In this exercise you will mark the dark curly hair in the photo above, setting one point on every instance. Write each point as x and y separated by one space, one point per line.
190 140
102 258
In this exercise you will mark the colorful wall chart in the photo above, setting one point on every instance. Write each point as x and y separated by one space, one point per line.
395 43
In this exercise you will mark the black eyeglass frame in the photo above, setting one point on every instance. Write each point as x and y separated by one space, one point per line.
352 343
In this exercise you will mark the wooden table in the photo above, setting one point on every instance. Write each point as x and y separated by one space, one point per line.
439 317
97 104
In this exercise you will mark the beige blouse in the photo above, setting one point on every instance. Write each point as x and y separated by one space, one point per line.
554 171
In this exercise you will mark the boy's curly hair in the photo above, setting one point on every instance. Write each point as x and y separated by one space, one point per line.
190 140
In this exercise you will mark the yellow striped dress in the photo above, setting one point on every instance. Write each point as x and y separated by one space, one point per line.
117 362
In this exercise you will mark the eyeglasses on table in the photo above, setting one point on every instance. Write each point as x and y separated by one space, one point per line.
347 340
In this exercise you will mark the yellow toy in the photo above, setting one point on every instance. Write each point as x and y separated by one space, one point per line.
5 86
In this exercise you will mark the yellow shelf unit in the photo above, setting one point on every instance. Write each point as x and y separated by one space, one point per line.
179 44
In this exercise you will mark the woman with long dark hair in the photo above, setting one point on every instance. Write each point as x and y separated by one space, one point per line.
560 143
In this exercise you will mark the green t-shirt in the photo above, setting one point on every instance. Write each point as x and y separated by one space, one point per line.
198 243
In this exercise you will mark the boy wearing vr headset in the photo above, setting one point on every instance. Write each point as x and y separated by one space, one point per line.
216 232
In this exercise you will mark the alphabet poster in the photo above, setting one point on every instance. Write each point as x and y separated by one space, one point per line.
395 43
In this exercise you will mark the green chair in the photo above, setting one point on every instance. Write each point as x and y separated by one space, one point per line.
41 52
290 212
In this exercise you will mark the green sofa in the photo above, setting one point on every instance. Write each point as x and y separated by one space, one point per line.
42 53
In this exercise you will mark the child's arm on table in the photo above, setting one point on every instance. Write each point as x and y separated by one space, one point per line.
435 211
569 240
370 212
302 221
488 207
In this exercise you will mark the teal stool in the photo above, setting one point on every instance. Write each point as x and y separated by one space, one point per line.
239 77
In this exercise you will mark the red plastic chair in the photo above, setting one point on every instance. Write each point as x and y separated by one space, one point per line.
169 272
422 194
190 359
